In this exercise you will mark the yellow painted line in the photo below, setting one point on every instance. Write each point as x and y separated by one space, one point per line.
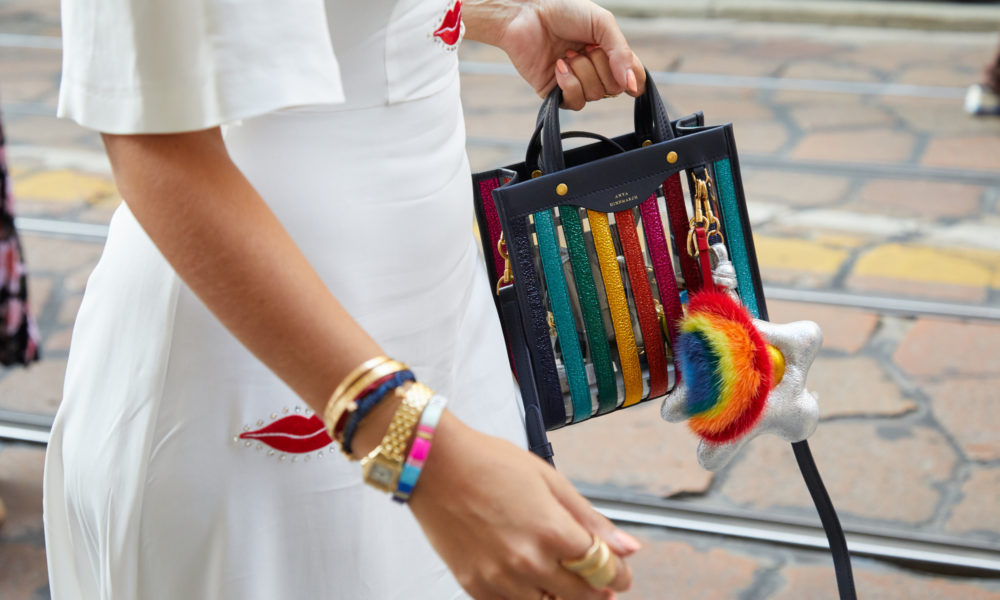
797 255
975 268
65 186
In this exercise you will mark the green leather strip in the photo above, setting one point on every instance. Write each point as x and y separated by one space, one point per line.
562 311
600 351
734 235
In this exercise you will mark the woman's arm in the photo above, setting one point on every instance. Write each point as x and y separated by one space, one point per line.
574 44
499 517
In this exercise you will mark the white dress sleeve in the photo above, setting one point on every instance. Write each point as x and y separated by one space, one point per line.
165 66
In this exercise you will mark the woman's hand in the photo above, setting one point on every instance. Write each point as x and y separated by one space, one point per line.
571 43
502 519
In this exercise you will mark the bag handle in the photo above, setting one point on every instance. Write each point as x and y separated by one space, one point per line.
650 117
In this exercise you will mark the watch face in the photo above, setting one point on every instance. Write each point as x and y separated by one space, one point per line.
381 475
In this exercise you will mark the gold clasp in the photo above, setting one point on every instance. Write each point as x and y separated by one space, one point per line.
704 217
508 275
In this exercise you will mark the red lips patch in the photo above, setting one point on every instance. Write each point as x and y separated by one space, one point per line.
294 434
450 28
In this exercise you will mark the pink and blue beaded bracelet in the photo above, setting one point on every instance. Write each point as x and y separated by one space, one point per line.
419 449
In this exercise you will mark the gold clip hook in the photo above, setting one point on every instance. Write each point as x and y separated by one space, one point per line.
508 274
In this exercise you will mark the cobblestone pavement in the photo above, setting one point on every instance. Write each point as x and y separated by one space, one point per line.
894 194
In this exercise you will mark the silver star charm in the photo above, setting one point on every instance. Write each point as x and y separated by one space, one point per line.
790 412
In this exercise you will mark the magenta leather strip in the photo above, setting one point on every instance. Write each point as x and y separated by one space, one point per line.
663 267
486 187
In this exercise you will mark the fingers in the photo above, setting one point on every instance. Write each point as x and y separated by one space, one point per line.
620 542
588 76
608 36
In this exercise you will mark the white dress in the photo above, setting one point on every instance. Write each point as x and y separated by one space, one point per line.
179 466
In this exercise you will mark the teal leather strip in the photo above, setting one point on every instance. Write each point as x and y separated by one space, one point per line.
562 310
590 306
734 235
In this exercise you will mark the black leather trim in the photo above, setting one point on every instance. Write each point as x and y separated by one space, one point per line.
633 176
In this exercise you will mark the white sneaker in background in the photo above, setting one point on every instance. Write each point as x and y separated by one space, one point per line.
981 100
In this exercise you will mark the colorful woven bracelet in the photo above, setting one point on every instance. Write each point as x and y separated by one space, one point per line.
419 449
369 399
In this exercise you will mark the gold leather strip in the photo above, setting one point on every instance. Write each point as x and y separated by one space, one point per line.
607 258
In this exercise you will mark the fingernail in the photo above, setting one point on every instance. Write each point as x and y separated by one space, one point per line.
627 541
570 54
591 47
630 82
561 67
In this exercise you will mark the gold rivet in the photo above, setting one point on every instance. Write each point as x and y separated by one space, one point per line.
561 189
671 157
536 173
647 143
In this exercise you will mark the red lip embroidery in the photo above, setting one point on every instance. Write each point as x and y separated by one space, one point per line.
294 434
451 27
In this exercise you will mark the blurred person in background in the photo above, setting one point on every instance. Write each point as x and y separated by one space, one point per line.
984 98
296 202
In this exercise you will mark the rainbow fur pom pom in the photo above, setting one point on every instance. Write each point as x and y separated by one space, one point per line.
726 367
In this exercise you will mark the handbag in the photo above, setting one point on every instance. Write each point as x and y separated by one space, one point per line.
594 253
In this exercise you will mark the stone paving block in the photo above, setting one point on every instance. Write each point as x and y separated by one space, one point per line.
890 56
53 255
841 117
677 570
65 186
915 289
21 489
969 409
977 511
844 329
56 342
936 347
35 389
939 116
818 582
922 199
855 386
782 259
632 449
727 64
41 130
868 468
921 263
758 137
39 289
872 145
794 189
964 152
23 573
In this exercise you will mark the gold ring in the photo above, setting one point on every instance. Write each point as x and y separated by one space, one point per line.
597 566
612 95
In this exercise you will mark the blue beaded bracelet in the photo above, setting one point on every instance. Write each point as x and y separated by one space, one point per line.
369 401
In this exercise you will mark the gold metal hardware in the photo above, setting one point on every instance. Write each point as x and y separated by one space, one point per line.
508 274
703 215
562 189
661 315
536 173
671 157
647 143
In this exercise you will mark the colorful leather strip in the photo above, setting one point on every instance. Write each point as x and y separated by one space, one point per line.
642 294
607 258
590 306
535 319
486 187
678 216
562 310
663 267
737 243
419 449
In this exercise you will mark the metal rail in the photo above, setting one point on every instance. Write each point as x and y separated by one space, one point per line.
924 552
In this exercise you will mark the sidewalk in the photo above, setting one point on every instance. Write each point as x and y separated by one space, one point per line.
852 192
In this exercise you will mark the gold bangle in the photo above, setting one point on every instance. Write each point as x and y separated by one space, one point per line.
598 567
358 371
339 403
383 465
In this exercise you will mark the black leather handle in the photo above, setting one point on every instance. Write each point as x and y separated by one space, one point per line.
650 116
535 145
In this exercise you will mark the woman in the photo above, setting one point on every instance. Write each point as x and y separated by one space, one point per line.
253 266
